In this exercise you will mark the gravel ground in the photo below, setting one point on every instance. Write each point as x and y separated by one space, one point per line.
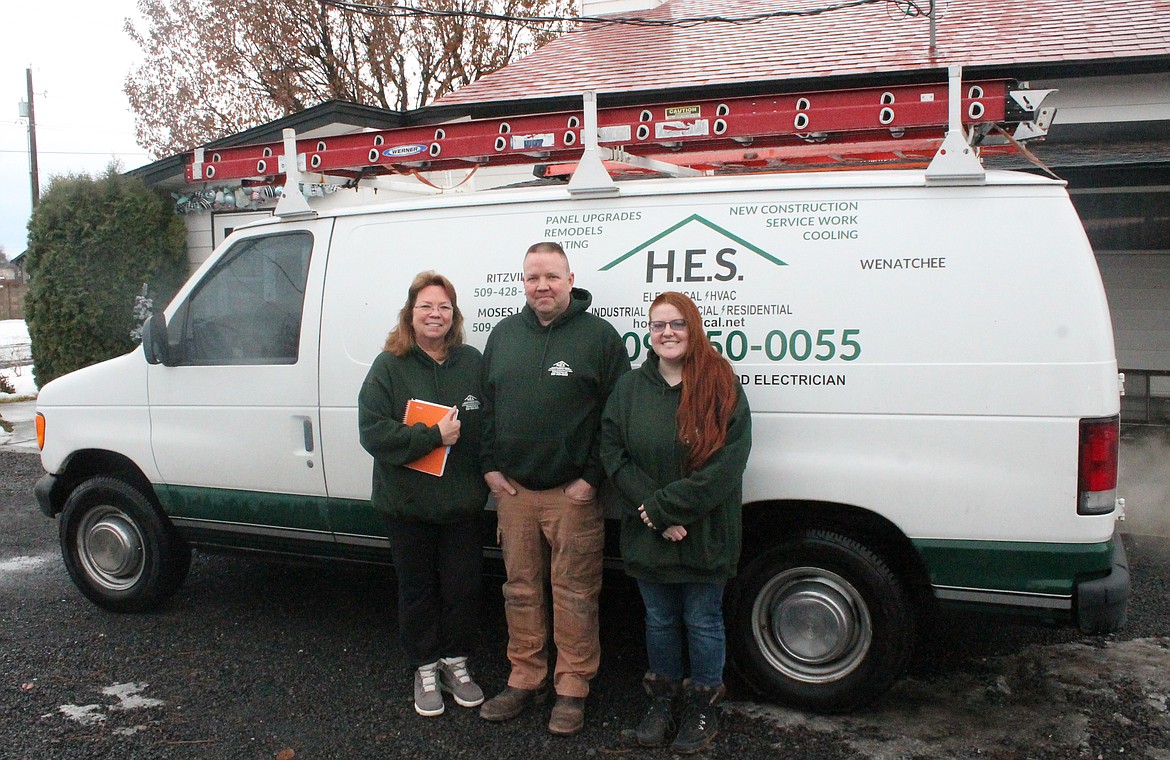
255 659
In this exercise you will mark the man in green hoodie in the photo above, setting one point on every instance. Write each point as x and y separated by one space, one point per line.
548 371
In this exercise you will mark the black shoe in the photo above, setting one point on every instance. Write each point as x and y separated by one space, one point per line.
699 724
658 722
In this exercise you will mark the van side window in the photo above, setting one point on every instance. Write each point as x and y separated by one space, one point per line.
248 308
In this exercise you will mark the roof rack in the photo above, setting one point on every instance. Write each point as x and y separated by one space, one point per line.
905 123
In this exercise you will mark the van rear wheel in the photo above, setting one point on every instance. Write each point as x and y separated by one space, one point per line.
820 622
119 550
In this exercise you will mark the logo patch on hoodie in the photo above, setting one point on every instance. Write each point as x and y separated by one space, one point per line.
471 403
560 369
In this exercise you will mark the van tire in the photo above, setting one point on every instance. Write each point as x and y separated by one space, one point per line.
830 584
118 548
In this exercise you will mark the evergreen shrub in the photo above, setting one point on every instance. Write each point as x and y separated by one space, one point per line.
93 243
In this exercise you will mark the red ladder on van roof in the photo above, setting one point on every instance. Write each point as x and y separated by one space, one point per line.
906 122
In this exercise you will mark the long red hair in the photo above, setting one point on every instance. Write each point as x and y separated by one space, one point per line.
709 387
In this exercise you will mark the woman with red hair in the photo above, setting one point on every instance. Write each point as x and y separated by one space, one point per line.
675 439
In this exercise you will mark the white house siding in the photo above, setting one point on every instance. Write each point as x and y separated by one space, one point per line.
1138 288
198 239
1108 100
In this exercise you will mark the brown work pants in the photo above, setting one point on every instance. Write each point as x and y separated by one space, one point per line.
549 538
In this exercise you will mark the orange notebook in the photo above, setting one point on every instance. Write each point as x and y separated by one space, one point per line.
417 410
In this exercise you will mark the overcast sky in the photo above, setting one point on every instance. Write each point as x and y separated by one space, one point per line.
79 57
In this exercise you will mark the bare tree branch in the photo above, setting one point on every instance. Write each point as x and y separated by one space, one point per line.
211 69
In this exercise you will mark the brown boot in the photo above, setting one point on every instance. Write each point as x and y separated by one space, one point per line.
511 702
568 716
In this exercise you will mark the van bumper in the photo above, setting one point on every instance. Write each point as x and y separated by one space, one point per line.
43 490
1101 602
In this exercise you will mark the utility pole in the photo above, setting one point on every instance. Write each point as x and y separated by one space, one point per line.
933 31
34 175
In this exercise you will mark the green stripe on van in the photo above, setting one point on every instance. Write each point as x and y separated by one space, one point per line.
295 511
1014 566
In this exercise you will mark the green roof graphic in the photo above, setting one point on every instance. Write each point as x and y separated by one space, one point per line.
683 223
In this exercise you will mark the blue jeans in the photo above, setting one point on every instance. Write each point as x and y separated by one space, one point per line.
696 608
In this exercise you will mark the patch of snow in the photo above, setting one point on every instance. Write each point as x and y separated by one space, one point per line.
18 564
128 696
86 715
14 342
22 381
1007 706
13 331
129 730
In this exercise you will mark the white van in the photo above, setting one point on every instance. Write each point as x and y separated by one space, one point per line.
928 356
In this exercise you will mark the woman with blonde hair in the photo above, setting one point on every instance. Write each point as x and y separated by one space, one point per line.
433 523
675 439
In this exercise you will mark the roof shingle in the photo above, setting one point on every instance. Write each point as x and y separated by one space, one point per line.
852 42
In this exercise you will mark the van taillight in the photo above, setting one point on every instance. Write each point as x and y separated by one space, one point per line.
1097 468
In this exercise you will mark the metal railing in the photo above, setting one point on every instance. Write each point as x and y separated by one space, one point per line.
1139 405
15 354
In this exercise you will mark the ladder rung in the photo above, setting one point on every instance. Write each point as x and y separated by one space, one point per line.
682 133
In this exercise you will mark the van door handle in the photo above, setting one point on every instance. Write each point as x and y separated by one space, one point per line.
308 435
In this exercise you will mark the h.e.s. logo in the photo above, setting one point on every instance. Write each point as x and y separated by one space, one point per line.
668 262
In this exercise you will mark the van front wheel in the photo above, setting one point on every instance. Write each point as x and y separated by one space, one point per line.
820 622
118 549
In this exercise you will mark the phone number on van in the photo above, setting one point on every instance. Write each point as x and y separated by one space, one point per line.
777 345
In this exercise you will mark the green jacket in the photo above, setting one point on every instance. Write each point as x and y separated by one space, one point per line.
405 493
545 388
643 457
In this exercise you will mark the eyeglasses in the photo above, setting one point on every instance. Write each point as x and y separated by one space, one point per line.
426 307
678 325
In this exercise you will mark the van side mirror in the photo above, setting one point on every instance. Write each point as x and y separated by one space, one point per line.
155 345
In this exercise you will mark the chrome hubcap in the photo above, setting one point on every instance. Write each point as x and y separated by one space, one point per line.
812 625
109 546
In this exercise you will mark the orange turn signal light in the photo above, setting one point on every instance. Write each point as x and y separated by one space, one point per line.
40 431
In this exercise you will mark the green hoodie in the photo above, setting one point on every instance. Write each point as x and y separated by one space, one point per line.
643 457
545 388
405 493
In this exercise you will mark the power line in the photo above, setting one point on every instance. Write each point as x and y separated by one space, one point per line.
79 152
910 8
22 123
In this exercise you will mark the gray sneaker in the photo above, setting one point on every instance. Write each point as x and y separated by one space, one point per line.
455 678
428 700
